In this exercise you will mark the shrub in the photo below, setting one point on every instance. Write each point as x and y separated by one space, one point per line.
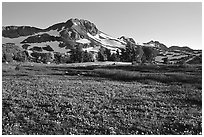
3 57
46 57
57 58
42 57
18 67
20 56
25 46
8 57
65 59
165 60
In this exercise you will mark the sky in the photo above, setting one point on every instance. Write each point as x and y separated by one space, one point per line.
171 23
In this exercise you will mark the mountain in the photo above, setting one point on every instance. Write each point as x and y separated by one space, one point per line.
157 45
175 54
172 48
62 37
17 31
126 39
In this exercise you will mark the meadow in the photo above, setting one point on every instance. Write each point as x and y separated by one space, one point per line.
116 99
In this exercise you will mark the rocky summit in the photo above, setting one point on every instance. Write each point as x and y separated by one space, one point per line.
62 37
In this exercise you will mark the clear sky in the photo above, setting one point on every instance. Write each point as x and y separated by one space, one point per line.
170 23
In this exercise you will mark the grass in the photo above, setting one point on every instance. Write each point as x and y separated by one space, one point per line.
160 77
44 100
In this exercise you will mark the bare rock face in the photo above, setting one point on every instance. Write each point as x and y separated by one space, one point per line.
89 27
84 25
126 39
157 44
75 29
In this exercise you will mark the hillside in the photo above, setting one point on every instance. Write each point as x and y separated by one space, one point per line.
175 54
62 37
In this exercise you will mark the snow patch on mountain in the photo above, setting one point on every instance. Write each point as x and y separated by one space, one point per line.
96 37
91 49
51 33
110 43
83 41
149 45
105 36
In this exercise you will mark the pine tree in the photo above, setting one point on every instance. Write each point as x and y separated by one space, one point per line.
79 53
118 55
123 56
132 53
101 55
108 54
113 57
165 60
57 58
73 55
46 57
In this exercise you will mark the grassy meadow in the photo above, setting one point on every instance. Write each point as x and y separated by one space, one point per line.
39 99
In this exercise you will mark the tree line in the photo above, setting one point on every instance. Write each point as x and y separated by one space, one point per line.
132 53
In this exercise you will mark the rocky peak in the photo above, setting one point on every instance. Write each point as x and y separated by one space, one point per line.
126 39
89 26
83 24
156 44
70 23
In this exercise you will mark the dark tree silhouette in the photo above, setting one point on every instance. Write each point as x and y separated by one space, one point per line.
150 53
108 54
101 55
88 57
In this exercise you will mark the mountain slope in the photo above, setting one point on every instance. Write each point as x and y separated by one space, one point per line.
175 54
62 37
17 31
